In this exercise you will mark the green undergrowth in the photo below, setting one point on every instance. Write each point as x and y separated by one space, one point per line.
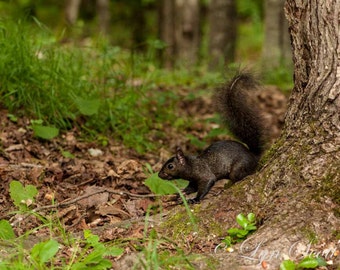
102 90
60 249
96 87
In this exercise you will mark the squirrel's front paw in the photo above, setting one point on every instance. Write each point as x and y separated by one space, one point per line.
193 201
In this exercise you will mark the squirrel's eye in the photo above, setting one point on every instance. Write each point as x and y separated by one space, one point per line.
170 166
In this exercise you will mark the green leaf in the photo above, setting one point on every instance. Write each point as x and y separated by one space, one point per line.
114 251
251 218
20 194
242 233
321 261
180 183
227 241
87 106
91 239
149 168
79 266
250 227
233 232
44 251
242 220
160 186
67 154
12 117
287 265
45 132
6 230
308 262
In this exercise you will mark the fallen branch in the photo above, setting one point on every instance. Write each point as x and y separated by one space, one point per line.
102 190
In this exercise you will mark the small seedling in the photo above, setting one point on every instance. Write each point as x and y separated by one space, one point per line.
309 262
92 255
237 235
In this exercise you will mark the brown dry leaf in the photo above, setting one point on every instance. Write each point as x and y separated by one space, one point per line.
129 167
113 233
96 199
113 210
136 207
144 204
35 174
138 232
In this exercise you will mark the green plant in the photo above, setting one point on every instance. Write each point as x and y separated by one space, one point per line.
107 96
164 187
154 256
281 76
22 196
43 252
6 230
87 253
92 255
235 235
43 132
309 262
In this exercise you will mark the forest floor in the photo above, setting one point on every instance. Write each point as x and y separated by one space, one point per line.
101 188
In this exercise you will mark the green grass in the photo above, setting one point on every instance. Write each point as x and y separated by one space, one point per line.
99 88
62 250
103 90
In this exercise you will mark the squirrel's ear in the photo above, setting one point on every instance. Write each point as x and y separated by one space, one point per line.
180 155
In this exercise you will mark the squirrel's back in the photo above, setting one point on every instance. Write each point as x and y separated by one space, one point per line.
240 114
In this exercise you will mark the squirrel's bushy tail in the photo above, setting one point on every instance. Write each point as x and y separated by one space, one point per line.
240 114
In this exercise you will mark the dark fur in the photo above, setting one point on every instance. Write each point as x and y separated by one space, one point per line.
224 159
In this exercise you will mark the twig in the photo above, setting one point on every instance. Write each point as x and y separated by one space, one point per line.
110 190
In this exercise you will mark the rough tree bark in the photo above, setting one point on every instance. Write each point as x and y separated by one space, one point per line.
276 46
222 33
187 34
179 29
166 22
296 194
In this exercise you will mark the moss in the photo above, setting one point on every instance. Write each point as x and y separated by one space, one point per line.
310 235
271 152
179 224
336 234
330 188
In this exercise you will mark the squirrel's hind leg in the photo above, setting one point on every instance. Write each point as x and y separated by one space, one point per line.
241 170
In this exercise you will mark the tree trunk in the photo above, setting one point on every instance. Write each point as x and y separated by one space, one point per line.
276 47
166 22
71 11
187 34
296 194
138 25
179 29
103 13
222 33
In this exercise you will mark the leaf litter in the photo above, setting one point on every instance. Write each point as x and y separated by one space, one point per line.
89 186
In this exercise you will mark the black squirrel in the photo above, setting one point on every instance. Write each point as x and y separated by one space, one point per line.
224 159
